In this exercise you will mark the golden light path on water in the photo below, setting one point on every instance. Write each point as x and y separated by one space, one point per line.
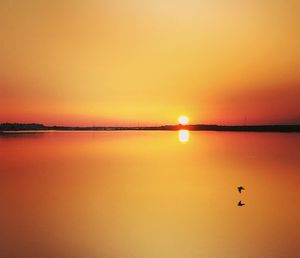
184 136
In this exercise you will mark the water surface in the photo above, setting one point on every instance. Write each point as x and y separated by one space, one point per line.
149 195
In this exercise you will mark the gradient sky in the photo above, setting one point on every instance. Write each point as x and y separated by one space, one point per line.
146 62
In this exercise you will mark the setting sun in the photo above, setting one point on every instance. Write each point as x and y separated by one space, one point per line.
183 120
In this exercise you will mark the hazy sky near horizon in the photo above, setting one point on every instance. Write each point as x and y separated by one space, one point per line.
147 62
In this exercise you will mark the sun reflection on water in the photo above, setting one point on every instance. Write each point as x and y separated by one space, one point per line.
183 136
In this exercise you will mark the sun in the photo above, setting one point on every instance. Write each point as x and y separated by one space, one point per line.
183 120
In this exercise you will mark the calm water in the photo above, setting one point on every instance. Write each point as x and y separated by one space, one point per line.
149 195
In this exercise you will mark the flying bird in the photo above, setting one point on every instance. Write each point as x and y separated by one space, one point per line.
241 204
240 189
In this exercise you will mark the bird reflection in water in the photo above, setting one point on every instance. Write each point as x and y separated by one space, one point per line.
183 136
240 203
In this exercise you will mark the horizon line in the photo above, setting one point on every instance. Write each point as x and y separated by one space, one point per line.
145 126
15 127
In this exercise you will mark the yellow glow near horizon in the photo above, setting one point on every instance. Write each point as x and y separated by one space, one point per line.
183 120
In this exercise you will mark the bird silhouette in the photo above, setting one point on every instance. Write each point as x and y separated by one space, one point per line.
241 204
240 189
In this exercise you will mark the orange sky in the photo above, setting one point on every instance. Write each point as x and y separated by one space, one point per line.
146 62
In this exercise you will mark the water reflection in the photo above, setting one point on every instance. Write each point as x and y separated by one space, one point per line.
141 194
183 136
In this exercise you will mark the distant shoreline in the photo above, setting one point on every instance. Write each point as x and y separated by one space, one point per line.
18 127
